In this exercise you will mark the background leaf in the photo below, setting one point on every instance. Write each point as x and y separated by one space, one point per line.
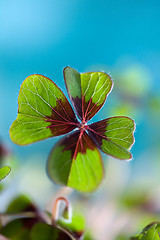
42 231
75 226
19 229
21 204
4 171
151 232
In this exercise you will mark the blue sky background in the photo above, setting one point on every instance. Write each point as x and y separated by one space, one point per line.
45 36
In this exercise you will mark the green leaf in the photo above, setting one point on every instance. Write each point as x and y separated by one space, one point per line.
151 232
87 91
21 204
75 226
114 136
43 111
18 229
76 162
73 84
150 235
32 229
4 171
42 231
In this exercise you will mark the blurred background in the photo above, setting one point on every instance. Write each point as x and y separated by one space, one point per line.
121 38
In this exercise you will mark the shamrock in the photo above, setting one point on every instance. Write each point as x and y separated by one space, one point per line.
44 112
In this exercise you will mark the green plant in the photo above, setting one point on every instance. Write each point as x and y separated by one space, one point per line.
32 224
44 112
4 170
75 161
150 232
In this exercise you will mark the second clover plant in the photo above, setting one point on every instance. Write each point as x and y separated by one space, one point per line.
44 112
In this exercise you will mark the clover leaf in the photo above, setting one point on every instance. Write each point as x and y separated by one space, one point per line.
44 112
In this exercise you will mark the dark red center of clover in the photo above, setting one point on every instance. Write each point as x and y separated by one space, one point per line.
82 126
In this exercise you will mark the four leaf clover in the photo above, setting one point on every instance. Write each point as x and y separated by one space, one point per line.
44 112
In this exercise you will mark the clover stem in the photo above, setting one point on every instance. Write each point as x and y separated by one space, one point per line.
56 209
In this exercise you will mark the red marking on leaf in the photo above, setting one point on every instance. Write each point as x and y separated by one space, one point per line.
99 127
77 142
97 132
68 117
84 109
87 109
62 115
96 135
77 104
97 138
91 112
88 142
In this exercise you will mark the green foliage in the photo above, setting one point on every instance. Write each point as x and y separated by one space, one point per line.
134 81
151 232
29 229
43 231
32 225
4 171
75 225
16 230
134 198
20 204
